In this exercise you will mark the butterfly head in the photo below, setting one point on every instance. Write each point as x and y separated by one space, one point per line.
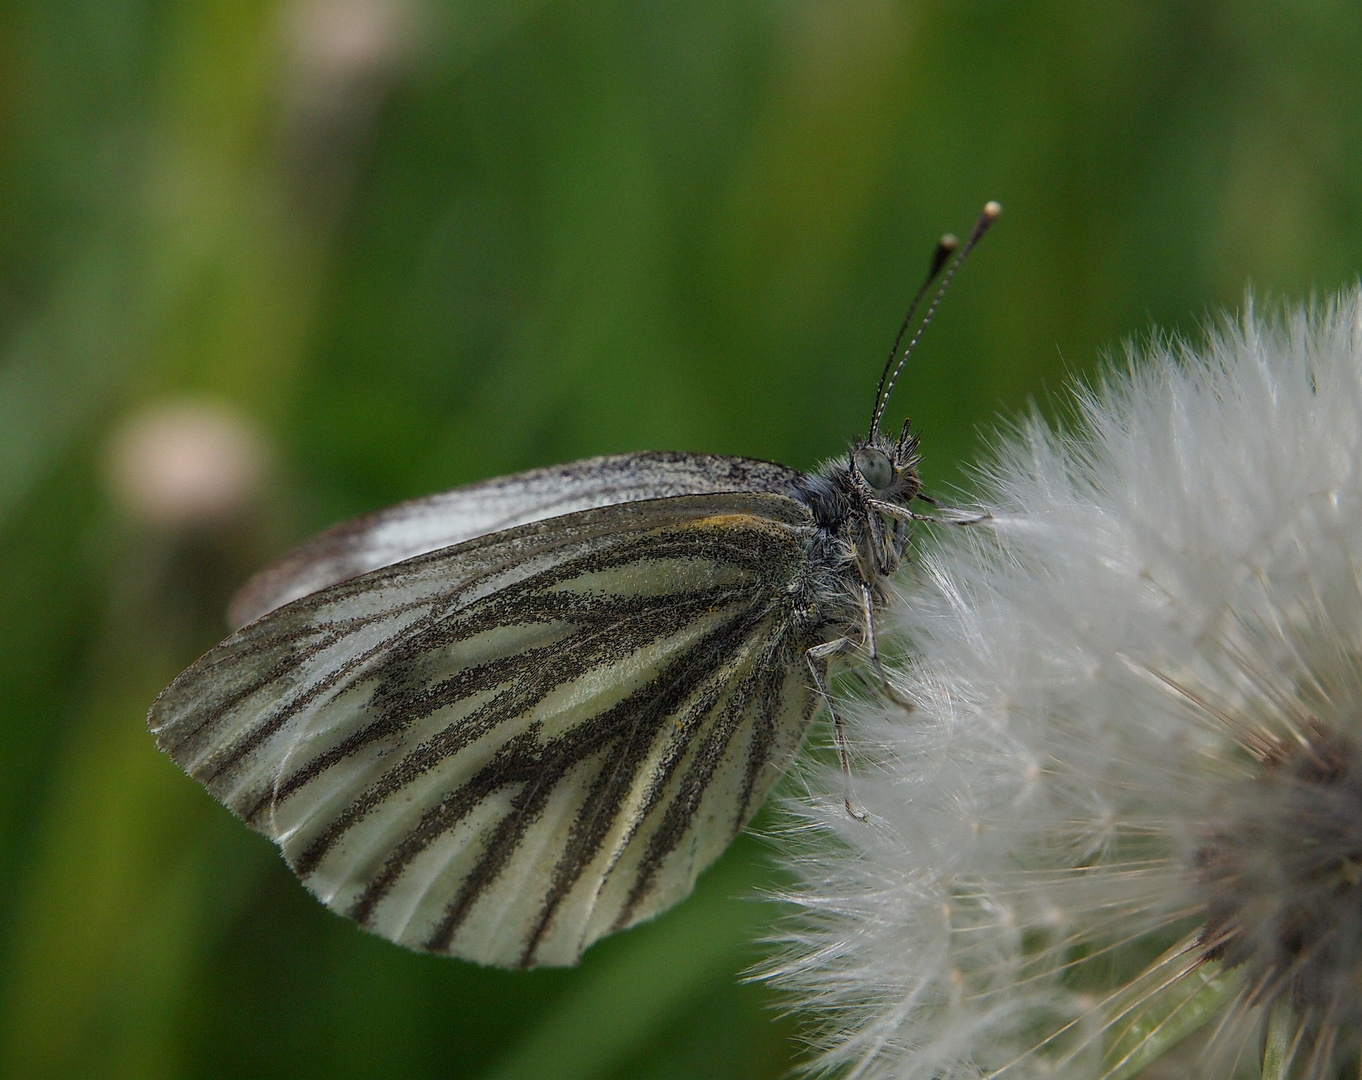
887 470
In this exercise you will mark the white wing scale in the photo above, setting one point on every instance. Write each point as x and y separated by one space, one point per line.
506 749
452 517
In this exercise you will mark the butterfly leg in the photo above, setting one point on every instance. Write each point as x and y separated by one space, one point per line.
868 614
965 519
817 658
954 517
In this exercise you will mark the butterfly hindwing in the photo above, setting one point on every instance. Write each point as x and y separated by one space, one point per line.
509 748
453 517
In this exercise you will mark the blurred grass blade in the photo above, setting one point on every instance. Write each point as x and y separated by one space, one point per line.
60 372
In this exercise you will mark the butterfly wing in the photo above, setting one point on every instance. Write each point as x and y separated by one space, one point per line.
452 517
509 748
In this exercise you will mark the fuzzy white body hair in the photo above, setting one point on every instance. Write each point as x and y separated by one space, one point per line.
1135 761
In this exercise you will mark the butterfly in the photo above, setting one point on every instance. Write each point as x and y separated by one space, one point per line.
503 721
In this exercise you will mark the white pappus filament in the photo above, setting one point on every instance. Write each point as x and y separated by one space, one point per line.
1120 834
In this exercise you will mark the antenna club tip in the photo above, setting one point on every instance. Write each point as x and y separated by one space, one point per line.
948 242
992 209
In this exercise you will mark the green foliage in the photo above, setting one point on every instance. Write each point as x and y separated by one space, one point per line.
519 233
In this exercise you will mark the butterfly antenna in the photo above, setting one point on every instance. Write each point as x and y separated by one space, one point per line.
943 252
944 247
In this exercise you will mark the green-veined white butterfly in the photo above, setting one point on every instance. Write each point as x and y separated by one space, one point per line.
503 721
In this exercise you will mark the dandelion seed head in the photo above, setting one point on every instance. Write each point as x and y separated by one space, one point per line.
1131 791
1280 877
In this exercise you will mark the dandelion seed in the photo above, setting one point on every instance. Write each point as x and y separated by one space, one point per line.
1122 831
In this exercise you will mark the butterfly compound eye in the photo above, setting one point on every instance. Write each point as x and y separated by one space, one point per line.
874 467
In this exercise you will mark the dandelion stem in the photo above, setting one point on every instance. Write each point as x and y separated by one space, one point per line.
1175 1011
1279 1040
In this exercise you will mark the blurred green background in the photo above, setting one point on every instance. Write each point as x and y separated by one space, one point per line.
265 265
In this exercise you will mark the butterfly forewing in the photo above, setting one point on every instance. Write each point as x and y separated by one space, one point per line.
505 749
453 517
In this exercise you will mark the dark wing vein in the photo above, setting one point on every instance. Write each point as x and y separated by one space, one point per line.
507 749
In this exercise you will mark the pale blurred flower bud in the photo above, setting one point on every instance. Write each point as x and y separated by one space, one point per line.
337 42
186 464
341 57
